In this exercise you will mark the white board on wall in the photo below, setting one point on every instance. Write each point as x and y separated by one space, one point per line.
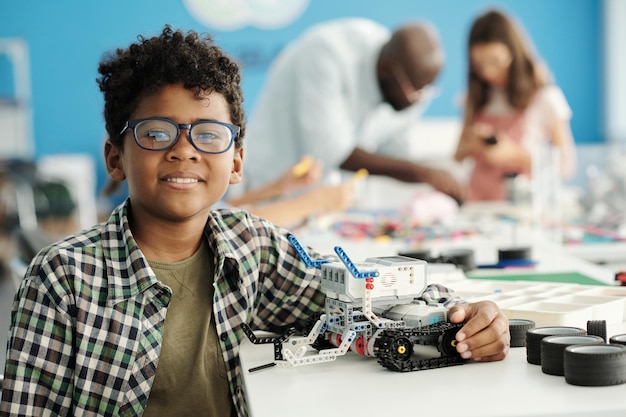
16 139
615 69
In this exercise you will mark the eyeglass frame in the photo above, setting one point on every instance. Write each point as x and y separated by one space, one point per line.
132 125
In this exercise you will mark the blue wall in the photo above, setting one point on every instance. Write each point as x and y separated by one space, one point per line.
67 39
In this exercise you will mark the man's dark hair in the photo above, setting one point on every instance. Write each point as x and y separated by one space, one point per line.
193 60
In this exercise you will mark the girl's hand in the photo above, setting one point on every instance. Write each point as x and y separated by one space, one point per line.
481 131
472 141
506 153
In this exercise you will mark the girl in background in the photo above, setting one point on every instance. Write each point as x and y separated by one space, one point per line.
511 106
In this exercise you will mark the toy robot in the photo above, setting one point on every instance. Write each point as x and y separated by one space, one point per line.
372 308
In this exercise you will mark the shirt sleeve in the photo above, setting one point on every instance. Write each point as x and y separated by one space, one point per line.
322 110
289 291
551 105
38 371
438 294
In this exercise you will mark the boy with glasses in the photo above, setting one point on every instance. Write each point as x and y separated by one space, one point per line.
143 314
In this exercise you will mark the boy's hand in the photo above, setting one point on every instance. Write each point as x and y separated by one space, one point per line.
485 336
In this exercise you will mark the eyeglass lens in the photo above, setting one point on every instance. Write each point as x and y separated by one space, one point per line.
161 134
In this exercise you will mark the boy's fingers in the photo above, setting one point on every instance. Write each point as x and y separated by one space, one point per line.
485 335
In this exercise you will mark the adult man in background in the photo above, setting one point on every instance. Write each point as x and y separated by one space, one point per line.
346 93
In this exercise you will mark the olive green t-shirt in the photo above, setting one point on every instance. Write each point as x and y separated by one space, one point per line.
191 375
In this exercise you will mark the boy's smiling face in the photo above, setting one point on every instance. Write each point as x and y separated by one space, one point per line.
181 182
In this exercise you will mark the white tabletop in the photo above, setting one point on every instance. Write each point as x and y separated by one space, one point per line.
353 385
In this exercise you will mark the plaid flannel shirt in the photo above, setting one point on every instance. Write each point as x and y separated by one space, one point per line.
87 320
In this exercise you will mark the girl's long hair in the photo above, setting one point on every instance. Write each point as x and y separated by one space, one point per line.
526 72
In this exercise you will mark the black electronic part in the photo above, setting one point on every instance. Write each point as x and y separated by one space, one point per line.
491 140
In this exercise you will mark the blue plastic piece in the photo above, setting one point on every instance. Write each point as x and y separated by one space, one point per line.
311 263
509 263
350 266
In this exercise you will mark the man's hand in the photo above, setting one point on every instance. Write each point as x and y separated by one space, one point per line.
485 336
443 181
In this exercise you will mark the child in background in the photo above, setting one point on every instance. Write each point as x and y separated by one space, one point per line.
510 107
141 315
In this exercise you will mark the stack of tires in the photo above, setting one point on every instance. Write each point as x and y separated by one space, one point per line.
582 356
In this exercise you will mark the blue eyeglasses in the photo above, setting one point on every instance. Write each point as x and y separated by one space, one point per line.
159 134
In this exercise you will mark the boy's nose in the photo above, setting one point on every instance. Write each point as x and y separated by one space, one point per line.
183 148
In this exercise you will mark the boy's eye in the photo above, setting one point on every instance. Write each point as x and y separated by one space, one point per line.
158 135
205 137
208 132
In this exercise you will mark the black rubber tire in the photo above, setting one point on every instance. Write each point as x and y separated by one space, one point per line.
618 339
595 365
511 254
401 349
534 336
447 343
423 254
463 258
552 348
517 329
597 328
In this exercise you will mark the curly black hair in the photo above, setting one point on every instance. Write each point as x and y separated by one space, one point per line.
190 59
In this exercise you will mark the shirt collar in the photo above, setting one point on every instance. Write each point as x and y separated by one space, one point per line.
126 268
124 259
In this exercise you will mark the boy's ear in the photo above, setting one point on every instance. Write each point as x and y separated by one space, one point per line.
113 160
237 170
